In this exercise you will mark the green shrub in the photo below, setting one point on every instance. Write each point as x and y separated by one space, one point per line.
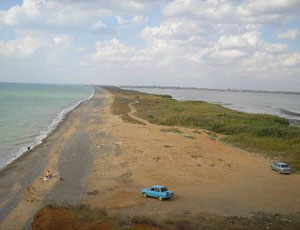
268 134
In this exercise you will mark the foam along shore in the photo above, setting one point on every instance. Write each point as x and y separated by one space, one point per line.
44 133
22 189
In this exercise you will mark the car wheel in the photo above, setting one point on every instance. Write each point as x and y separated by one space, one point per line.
145 195
160 198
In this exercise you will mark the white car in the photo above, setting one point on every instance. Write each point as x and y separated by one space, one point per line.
281 168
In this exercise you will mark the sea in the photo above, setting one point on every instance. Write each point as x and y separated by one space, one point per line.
30 112
282 104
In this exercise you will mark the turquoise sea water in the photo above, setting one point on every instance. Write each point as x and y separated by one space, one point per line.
29 112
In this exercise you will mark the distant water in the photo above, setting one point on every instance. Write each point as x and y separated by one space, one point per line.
283 105
29 112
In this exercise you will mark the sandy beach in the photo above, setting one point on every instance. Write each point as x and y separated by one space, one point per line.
100 160
67 153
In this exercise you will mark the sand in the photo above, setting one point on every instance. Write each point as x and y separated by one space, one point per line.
68 153
100 160
206 175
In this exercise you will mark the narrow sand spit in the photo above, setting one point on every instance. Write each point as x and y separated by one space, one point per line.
68 153
99 159
206 174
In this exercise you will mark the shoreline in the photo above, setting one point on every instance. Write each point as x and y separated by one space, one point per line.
22 191
52 127
292 116
212 89
102 161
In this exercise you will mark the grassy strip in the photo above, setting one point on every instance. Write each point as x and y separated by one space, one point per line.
266 134
120 104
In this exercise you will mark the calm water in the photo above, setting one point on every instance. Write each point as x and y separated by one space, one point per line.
29 112
283 105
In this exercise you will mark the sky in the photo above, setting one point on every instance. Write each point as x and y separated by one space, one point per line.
237 44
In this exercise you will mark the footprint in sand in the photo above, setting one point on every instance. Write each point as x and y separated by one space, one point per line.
31 194
16 187
156 158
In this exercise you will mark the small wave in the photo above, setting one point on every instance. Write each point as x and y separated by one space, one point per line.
289 112
221 103
43 134
267 106
294 122
22 143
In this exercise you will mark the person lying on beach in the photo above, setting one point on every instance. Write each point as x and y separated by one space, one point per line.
48 176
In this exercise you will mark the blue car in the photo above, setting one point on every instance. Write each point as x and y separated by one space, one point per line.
157 191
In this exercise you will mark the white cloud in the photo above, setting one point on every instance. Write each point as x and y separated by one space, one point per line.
191 37
264 12
13 16
135 20
291 60
248 39
73 14
99 25
28 11
63 39
111 53
33 7
45 50
276 47
224 11
22 46
212 9
290 34
220 54
121 21
270 7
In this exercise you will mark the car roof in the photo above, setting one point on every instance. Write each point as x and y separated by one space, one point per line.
158 186
281 163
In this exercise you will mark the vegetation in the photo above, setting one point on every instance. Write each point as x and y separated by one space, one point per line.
266 134
85 217
120 104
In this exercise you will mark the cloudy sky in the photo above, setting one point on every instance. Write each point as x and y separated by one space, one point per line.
250 44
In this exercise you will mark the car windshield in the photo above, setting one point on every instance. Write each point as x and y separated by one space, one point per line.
164 189
284 166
